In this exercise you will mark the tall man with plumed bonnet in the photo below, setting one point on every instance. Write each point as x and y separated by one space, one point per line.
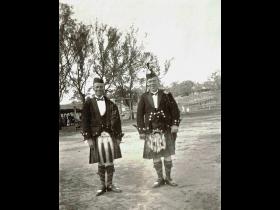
158 119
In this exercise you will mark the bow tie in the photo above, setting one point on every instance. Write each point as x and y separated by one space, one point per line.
99 99
154 94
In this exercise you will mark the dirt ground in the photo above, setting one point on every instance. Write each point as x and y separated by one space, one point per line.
197 170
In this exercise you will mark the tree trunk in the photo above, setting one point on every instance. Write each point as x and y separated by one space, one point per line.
121 107
132 114
83 99
82 96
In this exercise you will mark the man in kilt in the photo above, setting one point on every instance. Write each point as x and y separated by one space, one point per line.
101 127
158 119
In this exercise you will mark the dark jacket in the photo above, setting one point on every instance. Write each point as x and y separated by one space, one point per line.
91 119
166 105
93 126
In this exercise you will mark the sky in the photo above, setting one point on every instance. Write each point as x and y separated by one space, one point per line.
187 30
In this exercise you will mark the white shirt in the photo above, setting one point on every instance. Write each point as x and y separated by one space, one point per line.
155 99
101 106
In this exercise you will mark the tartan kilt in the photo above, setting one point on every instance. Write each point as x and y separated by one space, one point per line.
168 151
94 155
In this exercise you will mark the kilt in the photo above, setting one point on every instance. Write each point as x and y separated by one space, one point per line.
168 151
94 156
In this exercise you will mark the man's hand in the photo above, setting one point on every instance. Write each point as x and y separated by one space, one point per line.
174 129
142 136
90 143
86 135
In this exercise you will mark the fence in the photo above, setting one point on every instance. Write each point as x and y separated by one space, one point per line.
204 101
210 100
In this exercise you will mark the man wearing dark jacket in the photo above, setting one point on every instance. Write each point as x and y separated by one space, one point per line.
158 119
102 130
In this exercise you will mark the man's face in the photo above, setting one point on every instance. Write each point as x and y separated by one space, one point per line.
153 84
98 89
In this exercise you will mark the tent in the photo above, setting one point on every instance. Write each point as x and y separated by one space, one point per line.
70 108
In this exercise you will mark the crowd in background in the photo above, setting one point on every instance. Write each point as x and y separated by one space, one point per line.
69 119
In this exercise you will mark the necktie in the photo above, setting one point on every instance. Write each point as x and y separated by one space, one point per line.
99 99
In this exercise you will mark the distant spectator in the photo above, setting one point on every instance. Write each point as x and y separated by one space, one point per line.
183 109
65 120
60 122
70 119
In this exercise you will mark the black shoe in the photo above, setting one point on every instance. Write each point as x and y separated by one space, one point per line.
101 191
113 188
170 182
158 183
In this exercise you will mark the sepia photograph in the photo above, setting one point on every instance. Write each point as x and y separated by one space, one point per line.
139 104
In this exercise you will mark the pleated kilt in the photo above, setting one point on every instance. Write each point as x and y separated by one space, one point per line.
170 140
105 150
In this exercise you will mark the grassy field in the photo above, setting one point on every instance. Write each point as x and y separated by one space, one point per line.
197 170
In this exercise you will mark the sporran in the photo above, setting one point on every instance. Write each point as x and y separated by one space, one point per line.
105 149
156 141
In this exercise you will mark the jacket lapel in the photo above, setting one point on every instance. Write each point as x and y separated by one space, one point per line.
107 105
150 99
96 110
159 96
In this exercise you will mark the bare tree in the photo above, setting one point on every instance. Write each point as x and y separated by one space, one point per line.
66 55
82 47
106 39
133 53
130 55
